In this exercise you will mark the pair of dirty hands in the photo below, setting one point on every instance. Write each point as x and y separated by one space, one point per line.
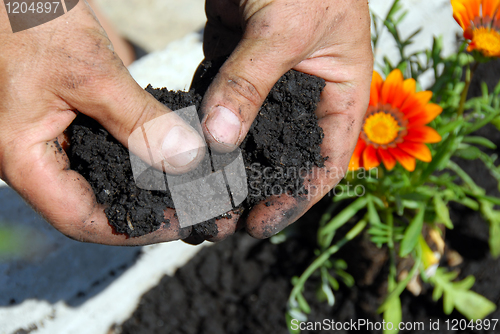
50 71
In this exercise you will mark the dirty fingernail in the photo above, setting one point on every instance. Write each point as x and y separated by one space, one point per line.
180 147
224 125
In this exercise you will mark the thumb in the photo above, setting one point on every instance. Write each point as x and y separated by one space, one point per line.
234 98
135 118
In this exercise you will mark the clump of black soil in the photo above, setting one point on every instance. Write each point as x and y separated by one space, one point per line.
284 138
284 135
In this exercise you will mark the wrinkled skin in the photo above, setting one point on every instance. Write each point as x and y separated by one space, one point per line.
50 71
266 38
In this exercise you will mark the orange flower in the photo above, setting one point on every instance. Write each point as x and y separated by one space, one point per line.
480 21
394 127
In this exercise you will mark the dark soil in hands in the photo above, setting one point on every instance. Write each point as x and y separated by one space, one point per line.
284 135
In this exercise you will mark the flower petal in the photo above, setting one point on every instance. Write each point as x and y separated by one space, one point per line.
358 150
409 87
430 112
473 7
415 103
489 7
377 80
464 12
418 150
460 14
370 158
388 160
392 87
375 88
423 134
406 160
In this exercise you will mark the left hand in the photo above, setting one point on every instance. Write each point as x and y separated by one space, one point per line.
266 38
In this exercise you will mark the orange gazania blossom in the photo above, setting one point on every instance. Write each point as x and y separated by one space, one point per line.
394 127
480 21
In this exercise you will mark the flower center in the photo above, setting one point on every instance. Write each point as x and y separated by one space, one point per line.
383 126
487 41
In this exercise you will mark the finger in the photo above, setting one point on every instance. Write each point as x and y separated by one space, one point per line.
226 227
267 50
63 197
267 219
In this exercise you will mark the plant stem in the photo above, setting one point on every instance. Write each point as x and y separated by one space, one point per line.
392 256
325 256
469 73
464 176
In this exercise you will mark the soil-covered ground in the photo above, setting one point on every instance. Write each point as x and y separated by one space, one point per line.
241 285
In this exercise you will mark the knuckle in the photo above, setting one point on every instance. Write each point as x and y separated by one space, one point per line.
245 89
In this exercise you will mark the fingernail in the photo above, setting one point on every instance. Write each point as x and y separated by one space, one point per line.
180 147
224 125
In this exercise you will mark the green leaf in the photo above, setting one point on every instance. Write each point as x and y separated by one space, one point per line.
450 127
410 238
496 121
373 216
448 304
437 293
333 282
442 212
410 204
468 202
393 314
472 305
377 232
479 141
396 7
415 196
304 306
379 240
491 199
466 283
378 202
459 296
344 216
483 121
494 240
496 91
468 153
325 293
396 292
399 205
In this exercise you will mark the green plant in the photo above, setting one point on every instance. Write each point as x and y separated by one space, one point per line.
398 202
